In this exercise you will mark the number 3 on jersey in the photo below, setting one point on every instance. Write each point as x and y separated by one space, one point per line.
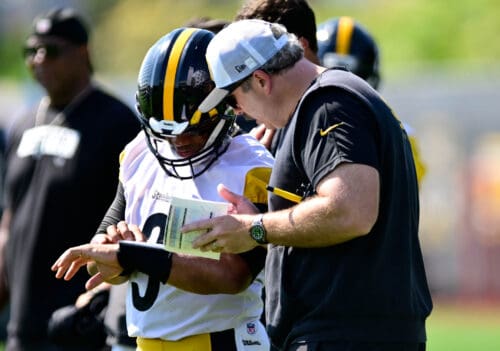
155 225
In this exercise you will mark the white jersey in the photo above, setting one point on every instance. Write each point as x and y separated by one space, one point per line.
156 310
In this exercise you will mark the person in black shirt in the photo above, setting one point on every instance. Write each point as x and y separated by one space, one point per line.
62 173
343 41
344 269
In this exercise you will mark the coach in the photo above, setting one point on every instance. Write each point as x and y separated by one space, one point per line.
344 269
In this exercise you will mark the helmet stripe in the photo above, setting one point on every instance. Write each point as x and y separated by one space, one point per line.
171 71
344 35
195 119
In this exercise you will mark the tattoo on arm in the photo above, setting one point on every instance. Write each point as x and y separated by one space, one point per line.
290 218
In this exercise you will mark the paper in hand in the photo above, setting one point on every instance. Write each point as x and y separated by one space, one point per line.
184 211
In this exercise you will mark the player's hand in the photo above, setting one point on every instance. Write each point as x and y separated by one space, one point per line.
125 231
263 135
120 231
85 298
104 255
115 233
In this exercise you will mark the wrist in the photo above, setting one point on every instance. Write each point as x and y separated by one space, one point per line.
257 231
152 260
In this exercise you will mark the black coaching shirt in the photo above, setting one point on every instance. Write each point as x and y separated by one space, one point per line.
62 174
371 288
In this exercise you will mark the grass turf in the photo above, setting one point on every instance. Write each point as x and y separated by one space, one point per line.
463 326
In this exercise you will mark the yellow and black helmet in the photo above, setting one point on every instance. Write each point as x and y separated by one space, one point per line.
173 80
344 42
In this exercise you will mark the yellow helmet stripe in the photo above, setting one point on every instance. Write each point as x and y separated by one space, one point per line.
344 35
195 119
170 73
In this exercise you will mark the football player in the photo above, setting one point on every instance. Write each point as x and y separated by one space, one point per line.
179 301
342 41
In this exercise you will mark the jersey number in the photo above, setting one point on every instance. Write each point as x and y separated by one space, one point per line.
157 221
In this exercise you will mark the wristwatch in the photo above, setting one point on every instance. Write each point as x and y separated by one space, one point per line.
257 230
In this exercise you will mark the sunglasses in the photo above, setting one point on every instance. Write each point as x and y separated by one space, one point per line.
51 51
230 100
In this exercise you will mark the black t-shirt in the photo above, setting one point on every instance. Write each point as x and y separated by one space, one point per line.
58 197
372 288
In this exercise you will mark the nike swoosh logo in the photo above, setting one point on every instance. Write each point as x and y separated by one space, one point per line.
329 129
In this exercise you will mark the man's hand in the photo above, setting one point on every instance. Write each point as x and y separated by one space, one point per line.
227 233
237 203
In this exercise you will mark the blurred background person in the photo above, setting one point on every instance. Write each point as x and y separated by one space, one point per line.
115 320
62 173
212 24
343 41
296 15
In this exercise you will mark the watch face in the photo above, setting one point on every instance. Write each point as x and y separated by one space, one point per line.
258 233
257 230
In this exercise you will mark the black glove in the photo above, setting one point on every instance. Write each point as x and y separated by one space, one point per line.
83 327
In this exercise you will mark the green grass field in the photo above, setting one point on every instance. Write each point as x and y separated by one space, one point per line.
463 327
460 327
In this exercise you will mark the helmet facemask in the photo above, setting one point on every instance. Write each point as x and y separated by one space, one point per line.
196 164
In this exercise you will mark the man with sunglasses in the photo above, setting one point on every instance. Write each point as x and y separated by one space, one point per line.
62 168
344 269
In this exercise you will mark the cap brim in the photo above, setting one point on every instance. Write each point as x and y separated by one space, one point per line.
213 99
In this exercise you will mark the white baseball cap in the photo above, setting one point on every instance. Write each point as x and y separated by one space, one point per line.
235 53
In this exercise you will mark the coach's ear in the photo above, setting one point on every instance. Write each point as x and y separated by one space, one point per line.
263 80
